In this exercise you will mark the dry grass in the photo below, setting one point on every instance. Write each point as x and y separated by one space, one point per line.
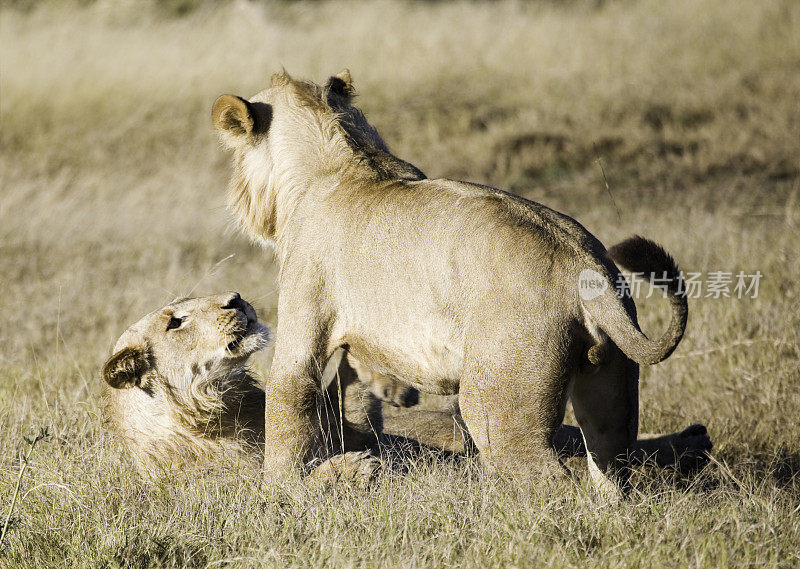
112 204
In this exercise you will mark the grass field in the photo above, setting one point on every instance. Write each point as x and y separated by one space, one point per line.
111 204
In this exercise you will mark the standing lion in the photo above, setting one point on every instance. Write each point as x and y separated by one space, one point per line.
451 286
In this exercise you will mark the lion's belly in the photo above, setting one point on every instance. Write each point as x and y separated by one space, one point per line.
427 356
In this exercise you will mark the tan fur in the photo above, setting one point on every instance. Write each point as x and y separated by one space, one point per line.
388 389
685 451
182 397
169 421
453 287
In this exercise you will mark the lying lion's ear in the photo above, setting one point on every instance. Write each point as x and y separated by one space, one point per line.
235 118
341 84
126 367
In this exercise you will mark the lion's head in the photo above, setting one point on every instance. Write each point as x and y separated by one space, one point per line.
177 388
263 133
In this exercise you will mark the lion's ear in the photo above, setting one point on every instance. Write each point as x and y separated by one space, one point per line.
341 84
235 119
126 367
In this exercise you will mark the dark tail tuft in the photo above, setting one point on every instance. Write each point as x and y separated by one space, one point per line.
640 255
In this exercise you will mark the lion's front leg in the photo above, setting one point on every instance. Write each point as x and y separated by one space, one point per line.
290 411
289 424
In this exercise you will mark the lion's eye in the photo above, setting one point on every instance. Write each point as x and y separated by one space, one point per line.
174 323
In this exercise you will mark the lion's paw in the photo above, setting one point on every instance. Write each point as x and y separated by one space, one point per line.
359 468
691 449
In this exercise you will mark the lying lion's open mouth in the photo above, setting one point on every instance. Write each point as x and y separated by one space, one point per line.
235 344
248 330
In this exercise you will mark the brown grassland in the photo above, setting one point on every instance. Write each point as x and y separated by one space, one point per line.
112 203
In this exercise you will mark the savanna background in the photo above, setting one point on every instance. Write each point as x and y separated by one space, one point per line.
111 204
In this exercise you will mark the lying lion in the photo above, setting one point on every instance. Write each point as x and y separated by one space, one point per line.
179 394
452 286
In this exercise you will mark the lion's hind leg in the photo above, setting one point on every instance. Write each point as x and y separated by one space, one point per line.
686 451
606 405
512 397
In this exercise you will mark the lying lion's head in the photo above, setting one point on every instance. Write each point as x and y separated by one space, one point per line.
177 387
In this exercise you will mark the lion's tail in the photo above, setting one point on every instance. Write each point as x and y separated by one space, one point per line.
641 255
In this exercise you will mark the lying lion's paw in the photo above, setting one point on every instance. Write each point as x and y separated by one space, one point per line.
359 468
408 397
691 447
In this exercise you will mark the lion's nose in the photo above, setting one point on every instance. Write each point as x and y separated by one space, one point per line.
235 303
